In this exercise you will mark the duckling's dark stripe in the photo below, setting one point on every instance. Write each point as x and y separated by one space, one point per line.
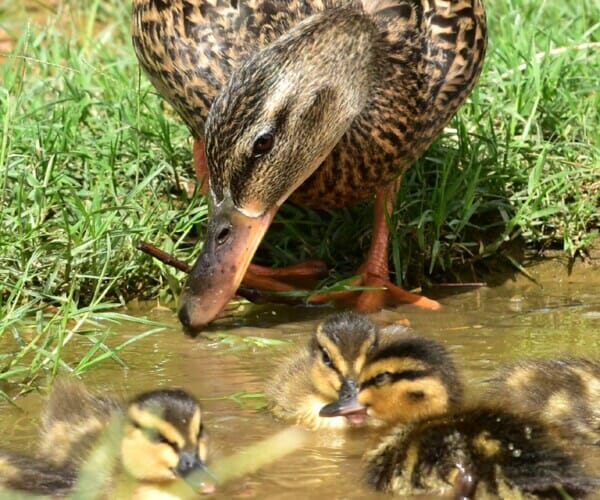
160 5
395 377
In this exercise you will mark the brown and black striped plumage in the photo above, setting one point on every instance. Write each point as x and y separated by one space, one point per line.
422 59
325 102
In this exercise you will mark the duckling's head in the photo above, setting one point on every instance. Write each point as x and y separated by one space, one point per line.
338 350
405 381
164 436
274 122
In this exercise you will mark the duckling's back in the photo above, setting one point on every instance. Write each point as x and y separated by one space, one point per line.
564 393
72 421
479 453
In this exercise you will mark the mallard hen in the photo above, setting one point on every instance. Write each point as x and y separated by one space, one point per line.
325 103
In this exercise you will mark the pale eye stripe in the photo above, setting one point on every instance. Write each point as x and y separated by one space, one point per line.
194 427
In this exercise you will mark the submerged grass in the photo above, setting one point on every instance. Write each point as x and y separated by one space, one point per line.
93 160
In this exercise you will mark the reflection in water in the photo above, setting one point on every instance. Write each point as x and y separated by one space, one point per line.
482 328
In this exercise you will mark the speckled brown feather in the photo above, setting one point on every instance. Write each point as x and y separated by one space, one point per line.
432 54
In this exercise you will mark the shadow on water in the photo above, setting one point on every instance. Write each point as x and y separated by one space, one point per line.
482 327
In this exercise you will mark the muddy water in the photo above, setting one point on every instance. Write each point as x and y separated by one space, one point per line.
482 328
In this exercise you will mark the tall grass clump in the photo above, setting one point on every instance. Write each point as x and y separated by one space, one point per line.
93 160
90 164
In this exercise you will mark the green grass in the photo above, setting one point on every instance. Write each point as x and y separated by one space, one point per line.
93 160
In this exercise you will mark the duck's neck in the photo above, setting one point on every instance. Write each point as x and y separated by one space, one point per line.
339 50
307 87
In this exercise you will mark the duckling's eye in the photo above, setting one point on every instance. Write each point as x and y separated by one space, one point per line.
201 431
382 377
262 145
163 440
325 358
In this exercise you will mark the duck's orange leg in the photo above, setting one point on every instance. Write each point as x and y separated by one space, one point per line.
375 270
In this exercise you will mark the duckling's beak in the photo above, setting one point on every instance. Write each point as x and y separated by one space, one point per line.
347 405
230 243
195 473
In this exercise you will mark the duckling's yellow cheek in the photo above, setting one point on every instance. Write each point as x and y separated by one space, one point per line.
326 382
146 460
203 449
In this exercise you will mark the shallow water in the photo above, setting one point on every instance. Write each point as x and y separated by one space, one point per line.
482 327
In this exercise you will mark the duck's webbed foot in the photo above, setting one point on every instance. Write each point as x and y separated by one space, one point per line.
261 284
382 293
374 272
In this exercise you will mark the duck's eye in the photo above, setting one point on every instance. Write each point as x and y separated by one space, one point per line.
325 358
223 235
382 377
262 145
163 440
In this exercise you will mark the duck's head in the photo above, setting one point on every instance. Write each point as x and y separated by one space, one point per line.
164 439
405 381
338 350
271 126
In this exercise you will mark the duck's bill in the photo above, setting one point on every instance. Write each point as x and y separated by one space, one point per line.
348 407
201 480
229 245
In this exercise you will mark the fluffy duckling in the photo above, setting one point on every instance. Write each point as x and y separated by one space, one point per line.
159 438
408 380
324 371
563 393
477 453
483 452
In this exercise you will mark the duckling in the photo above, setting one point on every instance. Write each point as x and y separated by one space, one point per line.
325 103
407 380
478 453
323 371
445 448
160 437
563 393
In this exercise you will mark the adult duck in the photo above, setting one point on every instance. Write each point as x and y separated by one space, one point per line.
323 102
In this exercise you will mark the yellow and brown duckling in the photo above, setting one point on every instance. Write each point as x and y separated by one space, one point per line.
324 371
443 449
154 441
563 393
478 453
325 103
409 379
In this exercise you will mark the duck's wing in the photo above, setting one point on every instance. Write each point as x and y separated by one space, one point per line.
185 49
445 40
33 475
